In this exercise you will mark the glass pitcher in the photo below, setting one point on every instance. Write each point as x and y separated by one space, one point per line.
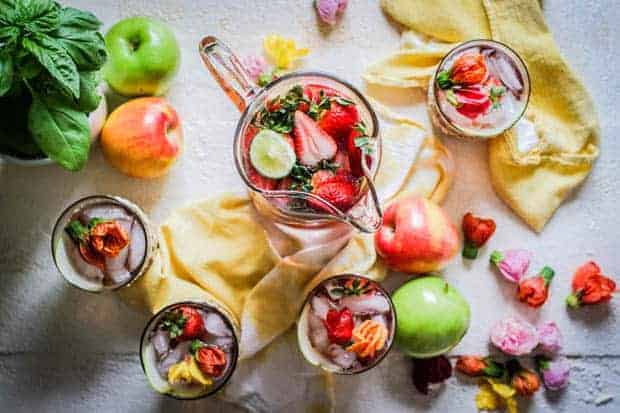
365 214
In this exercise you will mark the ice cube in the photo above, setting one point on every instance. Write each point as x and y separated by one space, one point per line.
320 306
79 265
105 211
161 342
225 343
118 277
137 246
177 354
215 325
317 333
366 304
340 356
507 72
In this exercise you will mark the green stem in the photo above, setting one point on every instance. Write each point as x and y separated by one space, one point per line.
470 251
496 257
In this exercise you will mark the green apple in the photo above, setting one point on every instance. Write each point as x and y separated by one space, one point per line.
431 317
143 57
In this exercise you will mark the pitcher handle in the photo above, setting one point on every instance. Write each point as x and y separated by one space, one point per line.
228 71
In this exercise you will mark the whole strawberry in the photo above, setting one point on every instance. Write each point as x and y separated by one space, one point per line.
339 119
338 189
194 325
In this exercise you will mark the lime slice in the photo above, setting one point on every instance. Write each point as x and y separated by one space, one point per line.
271 154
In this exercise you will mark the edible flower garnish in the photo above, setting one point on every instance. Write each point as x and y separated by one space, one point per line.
514 336
495 395
339 325
524 381
283 52
354 286
590 286
478 366
255 66
368 338
535 290
430 370
187 372
211 360
550 338
173 323
477 232
329 10
555 373
98 240
513 264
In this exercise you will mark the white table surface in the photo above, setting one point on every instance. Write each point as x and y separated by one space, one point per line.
63 350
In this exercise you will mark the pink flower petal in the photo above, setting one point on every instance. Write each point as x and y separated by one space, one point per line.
514 336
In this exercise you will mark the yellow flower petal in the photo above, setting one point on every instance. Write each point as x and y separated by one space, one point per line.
503 390
283 52
487 399
511 405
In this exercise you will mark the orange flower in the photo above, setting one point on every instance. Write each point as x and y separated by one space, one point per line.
471 365
534 291
211 360
525 382
477 232
108 238
91 256
368 338
590 286
469 69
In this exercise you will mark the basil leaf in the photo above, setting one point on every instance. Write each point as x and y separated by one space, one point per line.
55 59
87 48
8 37
37 16
7 11
6 73
78 19
61 132
89 95
15 138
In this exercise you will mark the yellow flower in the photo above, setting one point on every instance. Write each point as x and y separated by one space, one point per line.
188 372
495 395
283 52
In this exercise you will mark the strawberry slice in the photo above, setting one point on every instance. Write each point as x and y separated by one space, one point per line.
312 144
339 189
312 92
473 101
355 154
342 159
257 179
339 120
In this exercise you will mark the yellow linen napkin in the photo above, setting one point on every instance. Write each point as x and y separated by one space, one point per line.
222 251
533 178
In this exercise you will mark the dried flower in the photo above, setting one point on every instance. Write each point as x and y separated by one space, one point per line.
478 366
108 238
283 52
555 373
513 264
468 69
211 360
524 381
329 10
534 291
550 338
494 395
431 370
477 232
514 336
255 66
368 338
590 286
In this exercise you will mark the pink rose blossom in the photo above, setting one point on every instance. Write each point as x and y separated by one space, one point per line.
513 264
329 10
555 373
550 338
514 336
254 65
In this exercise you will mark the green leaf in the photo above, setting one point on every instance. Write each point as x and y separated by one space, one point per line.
78 19
452 99
61 132
6 73
8 37
56 60
27 65
443 79
77 231
89 95
7 11
87 48
37 16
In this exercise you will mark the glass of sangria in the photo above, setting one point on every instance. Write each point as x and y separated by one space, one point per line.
189 350
307 144
479 90
346 325
102 243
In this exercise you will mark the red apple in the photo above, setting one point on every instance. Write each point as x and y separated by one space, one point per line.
143 137
416 236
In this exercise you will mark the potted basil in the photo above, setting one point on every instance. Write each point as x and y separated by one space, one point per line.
50 58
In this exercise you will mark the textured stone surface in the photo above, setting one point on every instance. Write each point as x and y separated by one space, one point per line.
63 350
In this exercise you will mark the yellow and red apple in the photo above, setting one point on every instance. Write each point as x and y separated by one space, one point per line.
143 137
416 236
